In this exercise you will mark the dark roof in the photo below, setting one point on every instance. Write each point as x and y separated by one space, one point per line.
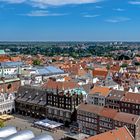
31 95
116 95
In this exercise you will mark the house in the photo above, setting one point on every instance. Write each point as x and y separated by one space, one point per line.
97 95
113 100
10 68
109 82
123 101
94 120
130 103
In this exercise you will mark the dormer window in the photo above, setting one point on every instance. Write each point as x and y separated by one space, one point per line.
29 97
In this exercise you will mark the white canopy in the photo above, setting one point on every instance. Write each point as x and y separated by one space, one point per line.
48 124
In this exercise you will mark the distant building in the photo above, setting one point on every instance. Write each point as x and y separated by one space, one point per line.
10 68
36 75
2 52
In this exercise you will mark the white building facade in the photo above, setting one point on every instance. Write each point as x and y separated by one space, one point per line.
7 103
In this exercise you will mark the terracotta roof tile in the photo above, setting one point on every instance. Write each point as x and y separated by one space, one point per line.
60 85
132 98
116 134
100 72
104 91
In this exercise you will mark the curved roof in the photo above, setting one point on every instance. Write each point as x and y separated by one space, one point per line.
7 131
21 135
43 137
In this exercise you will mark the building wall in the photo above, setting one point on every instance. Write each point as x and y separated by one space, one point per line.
127 107
7 104
114 104
9 87
9 70
96 100
93 124
130 108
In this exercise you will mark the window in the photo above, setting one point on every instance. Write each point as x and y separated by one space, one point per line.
9 86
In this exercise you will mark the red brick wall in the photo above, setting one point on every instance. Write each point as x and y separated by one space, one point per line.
14 87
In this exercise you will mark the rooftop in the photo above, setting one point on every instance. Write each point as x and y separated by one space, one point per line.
104 91
131 97
109 113
2 52
116 134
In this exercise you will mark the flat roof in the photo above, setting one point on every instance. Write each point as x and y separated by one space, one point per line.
79 136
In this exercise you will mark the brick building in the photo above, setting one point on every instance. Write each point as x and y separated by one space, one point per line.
94 120
9 85
38 102
124 101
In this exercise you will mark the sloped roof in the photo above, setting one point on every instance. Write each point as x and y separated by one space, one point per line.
104 91
2 52
116 134
60 85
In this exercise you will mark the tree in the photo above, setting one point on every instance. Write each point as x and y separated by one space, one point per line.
124 65
108 67
36 62
137 63
1 124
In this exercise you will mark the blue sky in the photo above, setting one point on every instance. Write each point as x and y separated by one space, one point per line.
69 20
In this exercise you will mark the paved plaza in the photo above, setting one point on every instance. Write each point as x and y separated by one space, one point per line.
22 123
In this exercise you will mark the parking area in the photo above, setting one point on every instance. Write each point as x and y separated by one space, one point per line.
24 122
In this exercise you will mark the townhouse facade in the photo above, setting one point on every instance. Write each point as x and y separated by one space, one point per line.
7 103
94 120
38 102
124 101
97 95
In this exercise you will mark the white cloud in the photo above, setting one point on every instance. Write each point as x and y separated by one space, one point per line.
118 19
119 9
134 2
42 13
63 2
91 16
44 3
13 1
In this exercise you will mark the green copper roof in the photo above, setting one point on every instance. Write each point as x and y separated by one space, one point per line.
2 52
79 91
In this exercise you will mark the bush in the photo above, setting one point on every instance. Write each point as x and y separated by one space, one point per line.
1 124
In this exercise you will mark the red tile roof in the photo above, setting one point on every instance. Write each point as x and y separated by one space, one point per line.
131 97
104 91
60 85
100 72
116 134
